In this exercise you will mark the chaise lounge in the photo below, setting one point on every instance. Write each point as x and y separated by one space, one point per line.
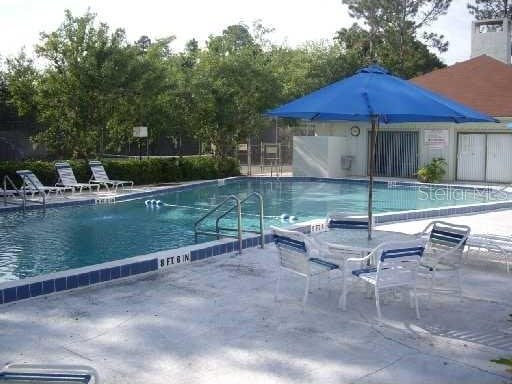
99 176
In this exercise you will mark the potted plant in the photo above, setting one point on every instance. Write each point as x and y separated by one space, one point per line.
432 172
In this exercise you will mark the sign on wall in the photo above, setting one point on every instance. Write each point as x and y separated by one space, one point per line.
436 138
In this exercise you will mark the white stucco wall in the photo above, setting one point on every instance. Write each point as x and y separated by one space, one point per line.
318 156
357 145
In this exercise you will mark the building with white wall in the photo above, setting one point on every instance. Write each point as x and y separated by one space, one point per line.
480 152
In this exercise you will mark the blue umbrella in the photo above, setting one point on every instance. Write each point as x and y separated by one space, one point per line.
374 94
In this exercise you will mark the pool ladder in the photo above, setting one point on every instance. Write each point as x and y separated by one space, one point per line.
239 230
21 193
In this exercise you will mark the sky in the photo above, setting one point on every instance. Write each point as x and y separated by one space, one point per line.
294 21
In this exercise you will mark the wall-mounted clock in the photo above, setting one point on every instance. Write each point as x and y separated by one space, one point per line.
355 131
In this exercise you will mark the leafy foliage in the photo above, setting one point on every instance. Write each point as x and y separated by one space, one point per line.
232 86
505 362
95 85
146 171
490 9
432 172
393 35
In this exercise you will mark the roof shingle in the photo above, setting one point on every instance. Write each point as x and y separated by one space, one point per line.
482 83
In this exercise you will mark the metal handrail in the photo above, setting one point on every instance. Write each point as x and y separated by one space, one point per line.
259 198
8 180
215 209
40 193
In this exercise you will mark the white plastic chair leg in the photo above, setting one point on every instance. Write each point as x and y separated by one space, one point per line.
416 303
368 291
342 302
306 292
459 284
377 303
276 293
432 279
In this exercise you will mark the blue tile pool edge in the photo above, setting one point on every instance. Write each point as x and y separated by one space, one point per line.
72 279
12 291
195 184
129 196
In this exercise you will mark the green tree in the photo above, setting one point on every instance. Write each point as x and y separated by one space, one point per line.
94 87
183 103
84 61
490 9
395 27
21 82
232 86
147 91
313 65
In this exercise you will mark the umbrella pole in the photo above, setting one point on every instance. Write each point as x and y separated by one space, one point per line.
373 139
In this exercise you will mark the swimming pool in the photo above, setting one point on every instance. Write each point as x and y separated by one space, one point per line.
37 242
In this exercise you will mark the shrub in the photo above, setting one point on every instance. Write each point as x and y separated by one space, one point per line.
146 171
506 362
432 172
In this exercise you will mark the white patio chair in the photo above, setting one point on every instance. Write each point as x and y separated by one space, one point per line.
67 178
396 268
31 184
298 255
99 176
496 244
443 252
343 220
340 253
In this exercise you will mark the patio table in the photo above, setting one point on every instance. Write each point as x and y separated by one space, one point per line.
357 239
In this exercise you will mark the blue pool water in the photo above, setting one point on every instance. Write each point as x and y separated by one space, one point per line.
35 242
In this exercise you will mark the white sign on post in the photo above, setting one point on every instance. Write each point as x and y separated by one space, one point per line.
140 132
436 138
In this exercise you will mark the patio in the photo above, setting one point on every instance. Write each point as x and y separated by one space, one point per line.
216 321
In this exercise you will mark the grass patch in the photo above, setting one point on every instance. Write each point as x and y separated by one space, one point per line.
504 361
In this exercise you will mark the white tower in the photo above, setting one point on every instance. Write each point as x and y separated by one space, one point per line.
491 37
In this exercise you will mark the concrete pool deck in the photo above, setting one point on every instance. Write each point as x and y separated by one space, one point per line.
216 321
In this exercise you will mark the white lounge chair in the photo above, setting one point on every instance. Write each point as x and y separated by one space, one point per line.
396 268
443 252
99 176
33 185
298 255
67 179
496 244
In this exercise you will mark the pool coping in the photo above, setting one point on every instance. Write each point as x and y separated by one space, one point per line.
42 285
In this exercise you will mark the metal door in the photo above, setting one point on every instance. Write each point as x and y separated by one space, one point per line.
471 157
499 158
396 154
